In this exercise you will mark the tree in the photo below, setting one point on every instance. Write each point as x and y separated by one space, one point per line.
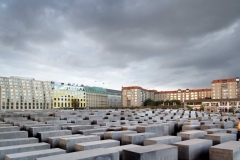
149 102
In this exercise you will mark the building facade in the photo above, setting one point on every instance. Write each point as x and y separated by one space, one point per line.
134 96
68 96
182 95
19 93
226 88
96 97
114 98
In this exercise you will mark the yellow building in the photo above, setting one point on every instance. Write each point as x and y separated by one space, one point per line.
68 96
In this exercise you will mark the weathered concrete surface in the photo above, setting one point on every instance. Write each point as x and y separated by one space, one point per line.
193 149
68 143
54 141
44 135
34 154
225 151
95 154
162 140
96 144
151 152
22 148
192 134
136 138
221 137
17 141
13 135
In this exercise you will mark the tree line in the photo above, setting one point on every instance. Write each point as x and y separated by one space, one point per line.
150 102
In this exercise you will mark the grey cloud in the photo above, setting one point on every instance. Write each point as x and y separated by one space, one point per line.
163 36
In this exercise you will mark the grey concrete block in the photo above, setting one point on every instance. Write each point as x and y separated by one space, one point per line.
9 129
89 131
17 141
96 144
34 130
136 138
44 135
54 141
22 148
34 154
13 135
157 129
95 154
210 126
68 143
190 127
100 134
75 128
151 152
120 148
162 140
116 135
193 149
232 130
221 137
225 151
215 130
226 125
192 134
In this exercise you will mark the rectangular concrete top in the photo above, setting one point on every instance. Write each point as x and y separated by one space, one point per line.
162 138
80 154
120 148
220 134
45 151
193 131
150 148
138 134
96 142
230 145
192 142
77 137
24 145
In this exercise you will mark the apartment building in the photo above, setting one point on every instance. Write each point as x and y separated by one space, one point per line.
182 95
18 93
96 97
114 98
68 96
226 88
135 96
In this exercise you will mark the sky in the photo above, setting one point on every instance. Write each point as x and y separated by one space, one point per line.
157 44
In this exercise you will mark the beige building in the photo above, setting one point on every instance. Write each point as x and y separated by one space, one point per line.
68 96
226 88
182 95
96 97
19 93
134 96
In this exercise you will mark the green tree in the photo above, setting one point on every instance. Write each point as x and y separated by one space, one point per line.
149 102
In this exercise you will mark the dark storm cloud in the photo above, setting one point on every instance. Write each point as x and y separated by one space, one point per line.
154 43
